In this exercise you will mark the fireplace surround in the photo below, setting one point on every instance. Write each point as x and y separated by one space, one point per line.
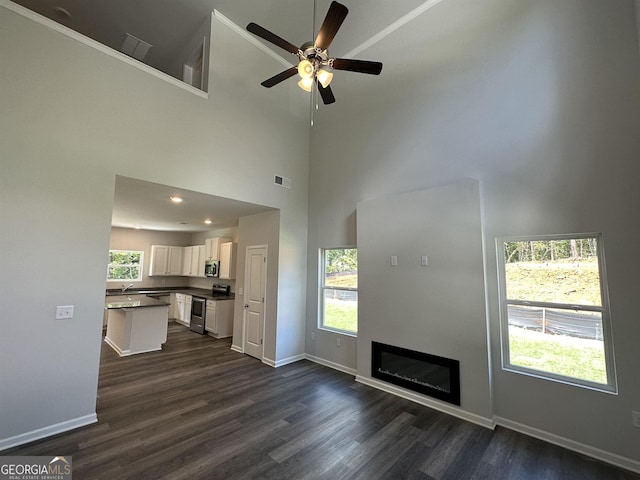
438 377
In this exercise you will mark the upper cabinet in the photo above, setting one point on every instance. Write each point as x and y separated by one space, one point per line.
178 261
228 260
165 260
187 252
213 247
202 260
193 260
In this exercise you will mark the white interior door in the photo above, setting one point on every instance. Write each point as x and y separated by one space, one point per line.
254 291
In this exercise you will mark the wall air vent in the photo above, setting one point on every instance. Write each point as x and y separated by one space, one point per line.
282 181
134 47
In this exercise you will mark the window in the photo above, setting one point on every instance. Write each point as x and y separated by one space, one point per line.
125 265
554 309
339 289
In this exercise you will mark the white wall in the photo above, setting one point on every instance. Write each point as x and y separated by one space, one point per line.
439 309
74 118
540 101
253 230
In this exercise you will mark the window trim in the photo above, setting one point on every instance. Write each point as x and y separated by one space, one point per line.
612 385
109 264
323 287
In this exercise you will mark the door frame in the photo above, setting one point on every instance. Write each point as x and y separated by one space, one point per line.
245 290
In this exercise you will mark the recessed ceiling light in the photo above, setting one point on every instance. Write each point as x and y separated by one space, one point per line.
175 199
208 222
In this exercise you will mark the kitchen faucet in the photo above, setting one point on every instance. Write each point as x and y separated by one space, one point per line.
124 289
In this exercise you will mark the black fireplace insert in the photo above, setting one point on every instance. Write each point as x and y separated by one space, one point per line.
438 377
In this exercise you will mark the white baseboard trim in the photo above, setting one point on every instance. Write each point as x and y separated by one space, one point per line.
598 454
415 397
268 361
128 353
236 348
284 361
47 431
327 363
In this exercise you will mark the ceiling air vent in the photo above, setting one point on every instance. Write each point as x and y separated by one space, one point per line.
282 181
134 47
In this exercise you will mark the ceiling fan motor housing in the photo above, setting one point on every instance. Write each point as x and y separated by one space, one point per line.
318 58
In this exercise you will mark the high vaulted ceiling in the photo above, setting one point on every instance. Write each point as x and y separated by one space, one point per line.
169 25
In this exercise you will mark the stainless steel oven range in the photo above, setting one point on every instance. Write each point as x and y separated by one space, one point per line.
198 314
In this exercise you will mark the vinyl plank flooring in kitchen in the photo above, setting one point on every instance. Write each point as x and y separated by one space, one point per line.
198 410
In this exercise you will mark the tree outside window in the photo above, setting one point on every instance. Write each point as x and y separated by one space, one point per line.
554 308
125 265
339 290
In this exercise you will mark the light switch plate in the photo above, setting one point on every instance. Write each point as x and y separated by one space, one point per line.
64 311
424 260
394 261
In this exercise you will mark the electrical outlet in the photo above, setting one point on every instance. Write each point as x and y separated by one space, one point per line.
424 260
338 343
64 311
635 419
313 336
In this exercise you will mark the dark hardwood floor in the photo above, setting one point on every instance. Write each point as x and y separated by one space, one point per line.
198 410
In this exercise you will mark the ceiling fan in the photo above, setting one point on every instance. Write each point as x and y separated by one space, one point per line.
314 57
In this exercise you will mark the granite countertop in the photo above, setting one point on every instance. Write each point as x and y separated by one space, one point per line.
198 292
132 301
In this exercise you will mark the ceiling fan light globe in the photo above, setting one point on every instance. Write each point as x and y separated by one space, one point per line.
324 77
305 69
306 84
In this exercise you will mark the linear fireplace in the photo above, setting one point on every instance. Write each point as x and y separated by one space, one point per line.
432 375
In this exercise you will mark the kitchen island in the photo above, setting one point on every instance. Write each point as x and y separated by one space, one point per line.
136 324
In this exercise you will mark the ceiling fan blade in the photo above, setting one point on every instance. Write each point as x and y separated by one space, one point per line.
361 66
326 94
272 37
288 73
335 16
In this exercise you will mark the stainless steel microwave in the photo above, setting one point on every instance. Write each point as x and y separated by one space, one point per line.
212 268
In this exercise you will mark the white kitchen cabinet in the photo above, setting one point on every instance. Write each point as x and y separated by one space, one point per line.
183 308
197 261
193 261
175 260
186 261
228 260
187 309
213 247
179 308
173 308
198 271
219 319
165 260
